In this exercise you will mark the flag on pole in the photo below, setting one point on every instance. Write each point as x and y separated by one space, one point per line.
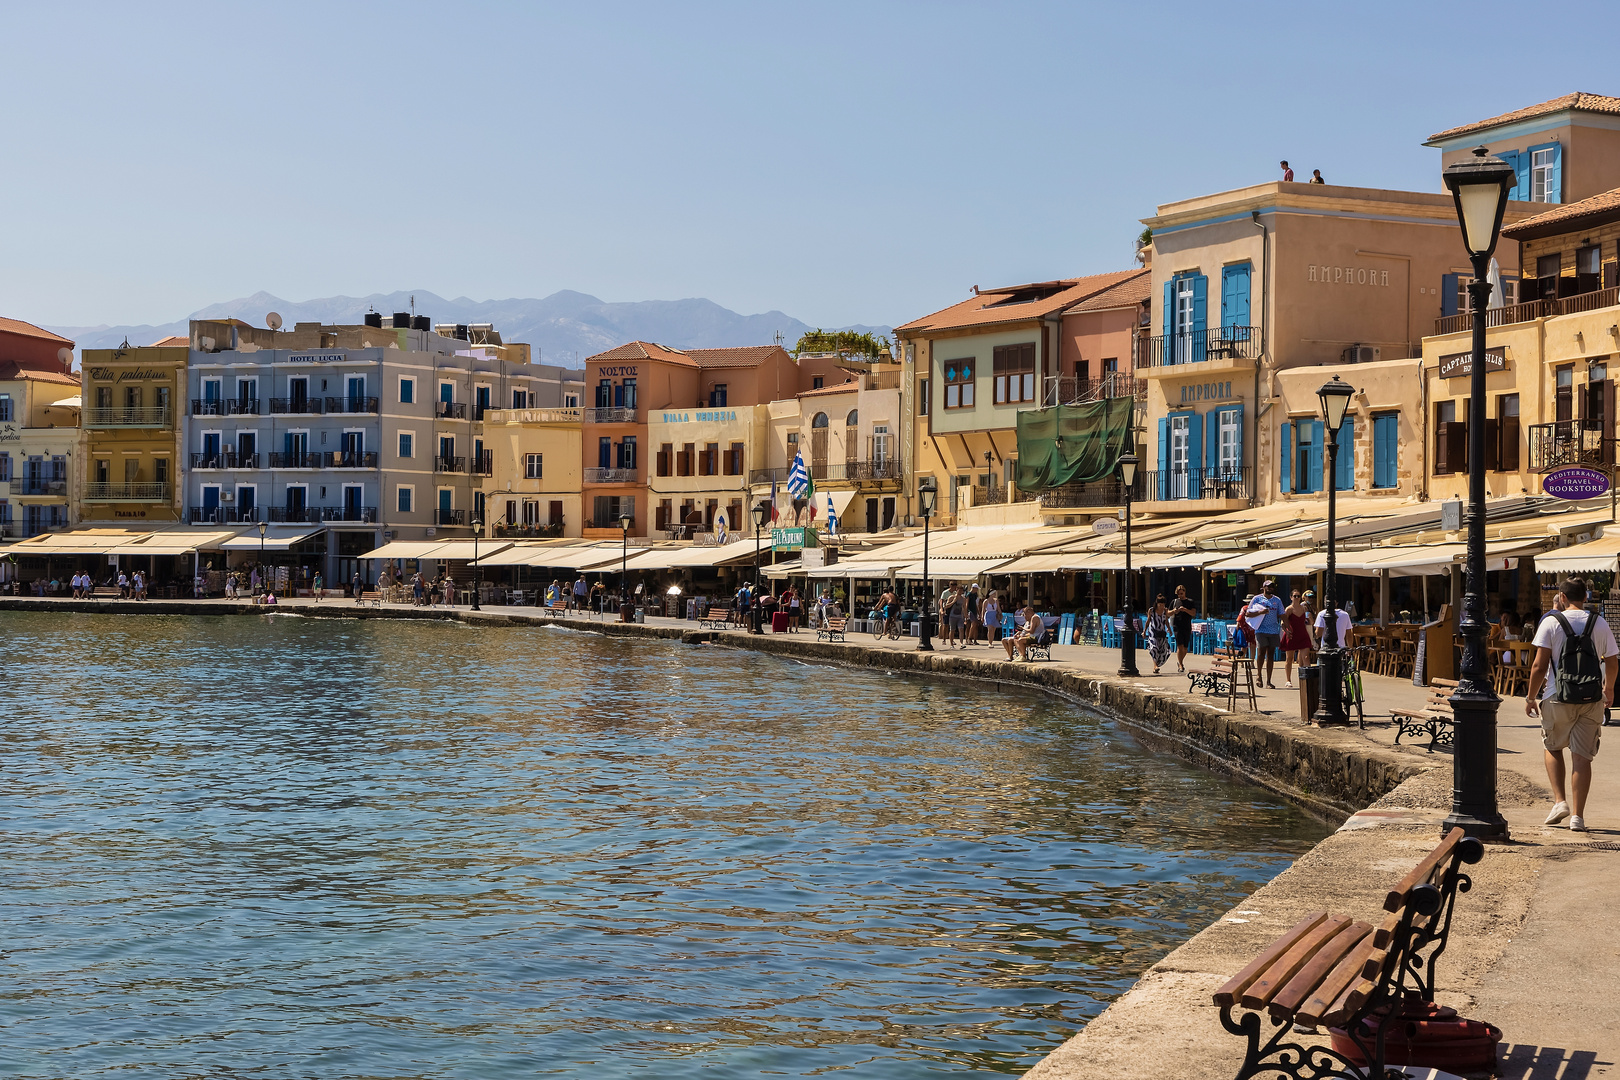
832 517
799 484
774 513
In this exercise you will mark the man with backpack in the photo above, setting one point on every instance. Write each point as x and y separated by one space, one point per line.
1571 683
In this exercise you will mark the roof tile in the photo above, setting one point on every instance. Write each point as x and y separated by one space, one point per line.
17 326
991 306
1580 101
1570 212
644 350
746 356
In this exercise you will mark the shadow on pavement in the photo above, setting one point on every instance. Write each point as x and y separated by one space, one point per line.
1521 1062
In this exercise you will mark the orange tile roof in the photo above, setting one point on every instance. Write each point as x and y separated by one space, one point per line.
10 369
644 350
173 340
17 326
1579 101
849 386
991 306
1133 290
1568 214
746 356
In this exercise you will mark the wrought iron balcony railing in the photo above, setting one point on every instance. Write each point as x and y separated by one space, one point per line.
298 406
1217 342
227 460
351 405
28 485
442 464
1072 390
1168 484
282 460
482 464
352 459
610 476
153 417
442 516
610 416
451 410
1098 493
224 406
152 492
1569 442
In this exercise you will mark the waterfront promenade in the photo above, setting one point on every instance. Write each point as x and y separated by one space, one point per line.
1530 952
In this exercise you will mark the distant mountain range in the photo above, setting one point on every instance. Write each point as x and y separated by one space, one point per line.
565 327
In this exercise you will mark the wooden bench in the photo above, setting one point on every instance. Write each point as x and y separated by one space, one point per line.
1435 717
1213 679
832 628
373 598
723 621
555 608
1335 970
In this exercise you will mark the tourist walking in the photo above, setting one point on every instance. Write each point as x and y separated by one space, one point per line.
449 590
1158 633
791 597
1288 174
1265 613
1571 684
123 585
1296 638
952 623
581 591
1181 617
959 619
359 587
990 616
418 588
318 589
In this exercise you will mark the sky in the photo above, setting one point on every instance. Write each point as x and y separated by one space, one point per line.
843 163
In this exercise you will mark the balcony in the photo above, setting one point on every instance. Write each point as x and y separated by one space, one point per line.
516 531
1213 486
336 405
224 406
533 416
155 417
1215 343
225 461
1531 310
314 515
35 486
847 471
1071 390
223 515
610 476
296 406
297 461
352 459
482 464
611 416
449 464
451 410
442 516
127 492
1098 493
1568 442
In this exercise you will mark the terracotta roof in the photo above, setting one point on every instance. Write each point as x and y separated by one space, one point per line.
848 387
1580 101
1556 219
172 341
1133 290
747 356
1003 305
10 369
17 326
644 350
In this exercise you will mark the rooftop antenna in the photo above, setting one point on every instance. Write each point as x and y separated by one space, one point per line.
413 307
779 337
273 321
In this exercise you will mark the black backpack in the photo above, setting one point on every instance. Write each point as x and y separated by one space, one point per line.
1579 678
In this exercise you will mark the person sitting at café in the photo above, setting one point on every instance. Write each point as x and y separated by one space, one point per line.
1032 631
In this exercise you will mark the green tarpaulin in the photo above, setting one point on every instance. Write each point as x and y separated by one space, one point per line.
1072 444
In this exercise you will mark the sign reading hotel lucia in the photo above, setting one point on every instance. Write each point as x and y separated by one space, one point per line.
1210 391
712 416
315 358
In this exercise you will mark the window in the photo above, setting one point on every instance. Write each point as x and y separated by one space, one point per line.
604 452
734 459
1014 369
1228 441
922 397
819 420
1544 178
406 492
1564 394
5 408
717 396
132 397
160 470
711 459
570 401
853 419
447 392
407 444
520 399
685 463
1588 269
604 394
629 389
1386 449
407 390
104 397
247 390
608 509
1450 437
5 467
958 384
665 460
1110 365
627 452
817 382
531 467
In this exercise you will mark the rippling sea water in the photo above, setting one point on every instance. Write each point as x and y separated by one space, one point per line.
286 847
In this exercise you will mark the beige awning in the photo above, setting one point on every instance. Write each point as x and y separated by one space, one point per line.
947 569
176 542
277 538
1182 560
1592 557
463 550
403 549
1252 560
780 570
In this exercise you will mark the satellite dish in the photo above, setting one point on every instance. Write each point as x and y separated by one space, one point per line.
64 354
273 321
208 344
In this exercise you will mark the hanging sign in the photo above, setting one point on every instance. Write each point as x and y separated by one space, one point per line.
794 539
1575 482
1461 365
1104 526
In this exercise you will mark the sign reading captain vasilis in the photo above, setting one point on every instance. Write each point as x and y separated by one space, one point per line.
1461 365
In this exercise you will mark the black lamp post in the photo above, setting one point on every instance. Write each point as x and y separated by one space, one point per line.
1479 187
927 493
1127 637
625 522
263 528
989 477
1335 397
761 512
478 579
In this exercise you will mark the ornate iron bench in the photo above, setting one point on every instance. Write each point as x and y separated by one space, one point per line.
1435 719
724 621
1337 971
832 628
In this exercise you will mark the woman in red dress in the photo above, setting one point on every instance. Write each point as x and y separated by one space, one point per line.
1296 639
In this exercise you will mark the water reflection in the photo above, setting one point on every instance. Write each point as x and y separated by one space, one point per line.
292 846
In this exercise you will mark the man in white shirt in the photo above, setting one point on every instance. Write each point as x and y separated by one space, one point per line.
1341 627
1563 724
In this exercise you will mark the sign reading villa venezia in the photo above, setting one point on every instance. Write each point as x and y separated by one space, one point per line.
1346 275
1460 365
715 416
101 374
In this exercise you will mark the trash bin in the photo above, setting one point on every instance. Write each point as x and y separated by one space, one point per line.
1310 691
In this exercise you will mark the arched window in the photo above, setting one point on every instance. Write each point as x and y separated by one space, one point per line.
854 418
820 421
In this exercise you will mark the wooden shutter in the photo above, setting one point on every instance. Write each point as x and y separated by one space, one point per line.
1442 461
1493 445
1507 455
1456 438
1606 405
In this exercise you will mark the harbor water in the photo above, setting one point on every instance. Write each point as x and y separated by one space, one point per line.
290 847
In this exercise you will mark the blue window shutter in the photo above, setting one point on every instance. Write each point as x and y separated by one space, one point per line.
1448 294
286 442
1164 458
1316 457
1521 165
1195 443
1227 300
1200 315
1285 455
1212 440
1385 448
1518 190
1557 182
1169 316
1239 410
1345 468
1235 295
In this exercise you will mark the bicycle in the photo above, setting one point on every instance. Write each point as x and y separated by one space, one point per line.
889 627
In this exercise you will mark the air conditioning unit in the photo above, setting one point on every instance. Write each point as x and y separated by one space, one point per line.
226 496
1361 354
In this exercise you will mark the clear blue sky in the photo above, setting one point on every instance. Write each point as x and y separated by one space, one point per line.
843 163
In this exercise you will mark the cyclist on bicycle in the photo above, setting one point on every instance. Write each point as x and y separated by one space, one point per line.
890 606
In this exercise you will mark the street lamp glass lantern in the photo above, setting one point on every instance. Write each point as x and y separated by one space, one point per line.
761 512
478 523
263 528
1335 397
624 522
927 495
1480 186
1127 469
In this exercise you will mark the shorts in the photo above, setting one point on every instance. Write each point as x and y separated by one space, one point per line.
956 620
1268 643
1578 727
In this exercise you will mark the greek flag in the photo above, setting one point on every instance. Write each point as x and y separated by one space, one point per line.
798 482
832 518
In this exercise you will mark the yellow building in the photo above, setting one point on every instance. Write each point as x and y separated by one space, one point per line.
39 422
533 488
130 442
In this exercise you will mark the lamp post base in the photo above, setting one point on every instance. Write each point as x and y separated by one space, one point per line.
1473 750
1127 655
1330 702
